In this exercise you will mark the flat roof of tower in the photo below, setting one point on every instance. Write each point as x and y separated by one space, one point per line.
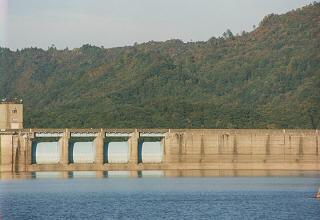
11 101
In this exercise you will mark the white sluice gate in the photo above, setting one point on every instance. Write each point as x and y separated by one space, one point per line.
82 152
46 152
118 152
152 152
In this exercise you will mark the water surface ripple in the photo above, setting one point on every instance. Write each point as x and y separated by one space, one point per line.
161 198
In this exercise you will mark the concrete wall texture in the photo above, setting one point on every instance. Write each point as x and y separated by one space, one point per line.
183 149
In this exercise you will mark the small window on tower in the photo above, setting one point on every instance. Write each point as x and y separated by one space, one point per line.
14 111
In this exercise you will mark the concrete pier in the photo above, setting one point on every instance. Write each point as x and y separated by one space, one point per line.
182 149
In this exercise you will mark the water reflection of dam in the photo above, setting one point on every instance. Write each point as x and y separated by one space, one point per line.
158 149
156 173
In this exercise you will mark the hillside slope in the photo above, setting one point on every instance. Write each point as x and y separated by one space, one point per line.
268 78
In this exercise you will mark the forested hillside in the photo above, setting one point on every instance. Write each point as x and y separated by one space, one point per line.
268 78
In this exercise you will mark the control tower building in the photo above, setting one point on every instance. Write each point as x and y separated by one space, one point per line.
11 114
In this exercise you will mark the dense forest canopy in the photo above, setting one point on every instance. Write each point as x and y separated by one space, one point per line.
268 78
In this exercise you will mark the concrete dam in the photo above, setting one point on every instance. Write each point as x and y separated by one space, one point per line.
158 149
31 150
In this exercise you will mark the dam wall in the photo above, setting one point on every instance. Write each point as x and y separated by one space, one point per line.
158 149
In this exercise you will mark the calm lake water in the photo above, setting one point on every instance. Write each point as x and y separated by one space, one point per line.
118 196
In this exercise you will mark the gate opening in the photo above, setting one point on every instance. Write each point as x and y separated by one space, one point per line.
116 150
82 150
150 150
45 151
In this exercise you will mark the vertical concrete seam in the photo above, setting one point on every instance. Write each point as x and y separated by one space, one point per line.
0 151
202 149
235 145
251 147
25 152
284 144
12 155
317 142
290 142
300 148
219 147
268 145
180 146
17 154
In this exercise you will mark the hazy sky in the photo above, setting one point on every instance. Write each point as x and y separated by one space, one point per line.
111 23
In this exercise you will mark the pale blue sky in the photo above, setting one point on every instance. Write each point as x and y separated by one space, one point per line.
112 23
